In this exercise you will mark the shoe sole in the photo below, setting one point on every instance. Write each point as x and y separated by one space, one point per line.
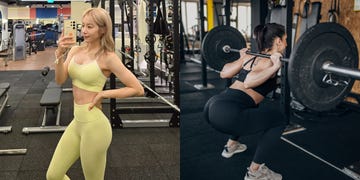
235 152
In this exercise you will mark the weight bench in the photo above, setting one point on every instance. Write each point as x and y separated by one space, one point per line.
4 97
51 100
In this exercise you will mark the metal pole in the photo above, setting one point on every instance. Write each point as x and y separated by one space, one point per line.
103 4
342 71
175 119
228 49
131 33
227 6
182 46
285 88
151 52
163 50
13 151
202 34
122 8
114 118
162 98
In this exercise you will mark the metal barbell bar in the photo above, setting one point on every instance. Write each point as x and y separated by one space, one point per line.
127 55
174 106
328 66
228 49
13 151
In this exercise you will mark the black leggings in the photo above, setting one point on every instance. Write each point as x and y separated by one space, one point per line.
234 112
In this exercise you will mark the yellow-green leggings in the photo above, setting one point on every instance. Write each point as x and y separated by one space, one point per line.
88 136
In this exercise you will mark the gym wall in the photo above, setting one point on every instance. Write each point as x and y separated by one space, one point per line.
348 18
34 12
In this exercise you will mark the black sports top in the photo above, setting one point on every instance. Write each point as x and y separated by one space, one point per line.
263 88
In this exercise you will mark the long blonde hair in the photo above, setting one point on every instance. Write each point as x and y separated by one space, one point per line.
103 20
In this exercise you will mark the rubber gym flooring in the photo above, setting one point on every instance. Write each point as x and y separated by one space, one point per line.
135 153
333 138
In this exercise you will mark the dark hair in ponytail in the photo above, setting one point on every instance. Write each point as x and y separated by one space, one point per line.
264 35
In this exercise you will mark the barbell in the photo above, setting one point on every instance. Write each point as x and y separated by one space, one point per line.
228 49
321 69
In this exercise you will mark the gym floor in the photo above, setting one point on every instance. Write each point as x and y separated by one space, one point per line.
135 153
333 138
32 62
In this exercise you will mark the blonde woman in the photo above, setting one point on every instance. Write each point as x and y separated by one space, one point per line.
89 134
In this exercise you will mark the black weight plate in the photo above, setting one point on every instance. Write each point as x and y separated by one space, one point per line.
215 40
322 42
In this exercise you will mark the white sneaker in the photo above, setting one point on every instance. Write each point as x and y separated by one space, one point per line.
233 149
263 173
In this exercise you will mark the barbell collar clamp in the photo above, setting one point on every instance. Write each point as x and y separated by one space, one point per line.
329 67
327 79
228 49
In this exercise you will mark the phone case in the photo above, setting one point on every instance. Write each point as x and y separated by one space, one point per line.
70 28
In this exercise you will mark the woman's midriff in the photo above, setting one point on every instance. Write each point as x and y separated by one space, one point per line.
82 96
253 94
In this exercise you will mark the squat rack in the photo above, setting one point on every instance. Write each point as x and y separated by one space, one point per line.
115 111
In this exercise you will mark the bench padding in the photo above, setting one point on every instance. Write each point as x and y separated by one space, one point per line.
51 97
5 86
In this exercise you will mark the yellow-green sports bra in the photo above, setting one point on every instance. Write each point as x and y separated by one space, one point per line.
87 76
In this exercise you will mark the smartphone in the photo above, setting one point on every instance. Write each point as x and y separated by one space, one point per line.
70 28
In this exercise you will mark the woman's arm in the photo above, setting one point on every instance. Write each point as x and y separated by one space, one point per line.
265 69
61 70
231 69
132 84
61 67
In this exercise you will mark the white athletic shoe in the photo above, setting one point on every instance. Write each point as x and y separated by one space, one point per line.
233 149
263 173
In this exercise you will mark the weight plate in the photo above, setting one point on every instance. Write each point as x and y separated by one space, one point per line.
321 43
215 40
